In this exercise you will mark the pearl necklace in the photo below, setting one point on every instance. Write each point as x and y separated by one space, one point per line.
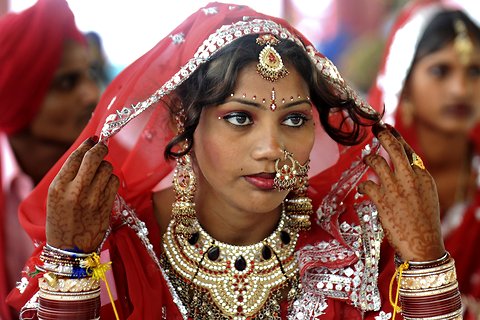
237 279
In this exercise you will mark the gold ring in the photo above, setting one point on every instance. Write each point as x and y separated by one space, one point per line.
417 161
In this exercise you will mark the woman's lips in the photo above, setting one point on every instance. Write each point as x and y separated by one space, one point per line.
262 181
459 110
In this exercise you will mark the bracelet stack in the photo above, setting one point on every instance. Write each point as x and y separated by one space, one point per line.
67 289
429 290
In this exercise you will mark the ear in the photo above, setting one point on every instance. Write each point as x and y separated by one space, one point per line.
405 94
406 109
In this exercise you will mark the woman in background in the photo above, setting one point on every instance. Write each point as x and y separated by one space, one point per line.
47 95
429 84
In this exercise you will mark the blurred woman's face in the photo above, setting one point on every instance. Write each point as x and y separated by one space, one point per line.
70 101
444 93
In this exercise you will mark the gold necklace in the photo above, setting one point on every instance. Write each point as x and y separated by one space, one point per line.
239 280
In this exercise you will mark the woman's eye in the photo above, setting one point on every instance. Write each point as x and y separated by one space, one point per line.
238 119
295 120
474 71
66 82
439 71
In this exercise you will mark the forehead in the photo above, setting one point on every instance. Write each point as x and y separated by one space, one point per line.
74 53
249 81
449 53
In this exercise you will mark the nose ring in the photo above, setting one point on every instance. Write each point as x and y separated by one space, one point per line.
286 176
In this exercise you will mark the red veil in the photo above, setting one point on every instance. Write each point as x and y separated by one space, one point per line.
135 122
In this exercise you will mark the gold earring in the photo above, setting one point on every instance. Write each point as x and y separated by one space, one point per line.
299 206
185 185
406 113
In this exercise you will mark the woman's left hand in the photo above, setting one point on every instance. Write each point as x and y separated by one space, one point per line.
406 199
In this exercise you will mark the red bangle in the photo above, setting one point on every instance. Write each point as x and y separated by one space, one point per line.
69 310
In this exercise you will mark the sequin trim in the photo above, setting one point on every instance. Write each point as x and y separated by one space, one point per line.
355 282
222 37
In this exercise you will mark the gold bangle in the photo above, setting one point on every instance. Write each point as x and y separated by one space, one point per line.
426 293
65 252
424 264
429 271
428 281
64 296
69 285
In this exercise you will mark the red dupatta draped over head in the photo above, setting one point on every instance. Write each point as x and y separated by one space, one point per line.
133 119
31 46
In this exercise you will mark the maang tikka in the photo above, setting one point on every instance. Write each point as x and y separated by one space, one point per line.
462 44
294 177
270 65
184 185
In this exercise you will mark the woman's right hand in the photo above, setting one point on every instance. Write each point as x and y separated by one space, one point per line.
80 199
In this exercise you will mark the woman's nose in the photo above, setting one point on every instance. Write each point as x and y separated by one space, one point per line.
460 85
87 95
90 91
268 144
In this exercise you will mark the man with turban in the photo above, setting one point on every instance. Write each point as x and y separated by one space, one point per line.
47 95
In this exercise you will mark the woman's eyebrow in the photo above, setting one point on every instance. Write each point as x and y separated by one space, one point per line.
245 101
295 103
259 105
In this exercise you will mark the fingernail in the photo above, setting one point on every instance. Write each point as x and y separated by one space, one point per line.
377 128
94 138
89 141
394 131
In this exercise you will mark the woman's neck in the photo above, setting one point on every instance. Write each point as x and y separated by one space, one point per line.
35 156
443 150
448 157
235 226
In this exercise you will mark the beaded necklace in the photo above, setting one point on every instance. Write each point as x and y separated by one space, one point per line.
216 280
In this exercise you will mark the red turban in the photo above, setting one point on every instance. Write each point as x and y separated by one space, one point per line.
31 47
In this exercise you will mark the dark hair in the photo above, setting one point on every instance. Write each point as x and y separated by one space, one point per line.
441 32
212 83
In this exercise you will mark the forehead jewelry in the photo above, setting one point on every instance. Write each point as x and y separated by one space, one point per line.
273 98
273 105
270 65
462 43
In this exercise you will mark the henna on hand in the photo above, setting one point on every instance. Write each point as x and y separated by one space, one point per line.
406 199
80 199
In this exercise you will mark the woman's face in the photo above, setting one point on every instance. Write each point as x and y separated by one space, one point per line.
70 101
444 93
236 143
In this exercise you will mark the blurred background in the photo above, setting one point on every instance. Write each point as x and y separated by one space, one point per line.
349 32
